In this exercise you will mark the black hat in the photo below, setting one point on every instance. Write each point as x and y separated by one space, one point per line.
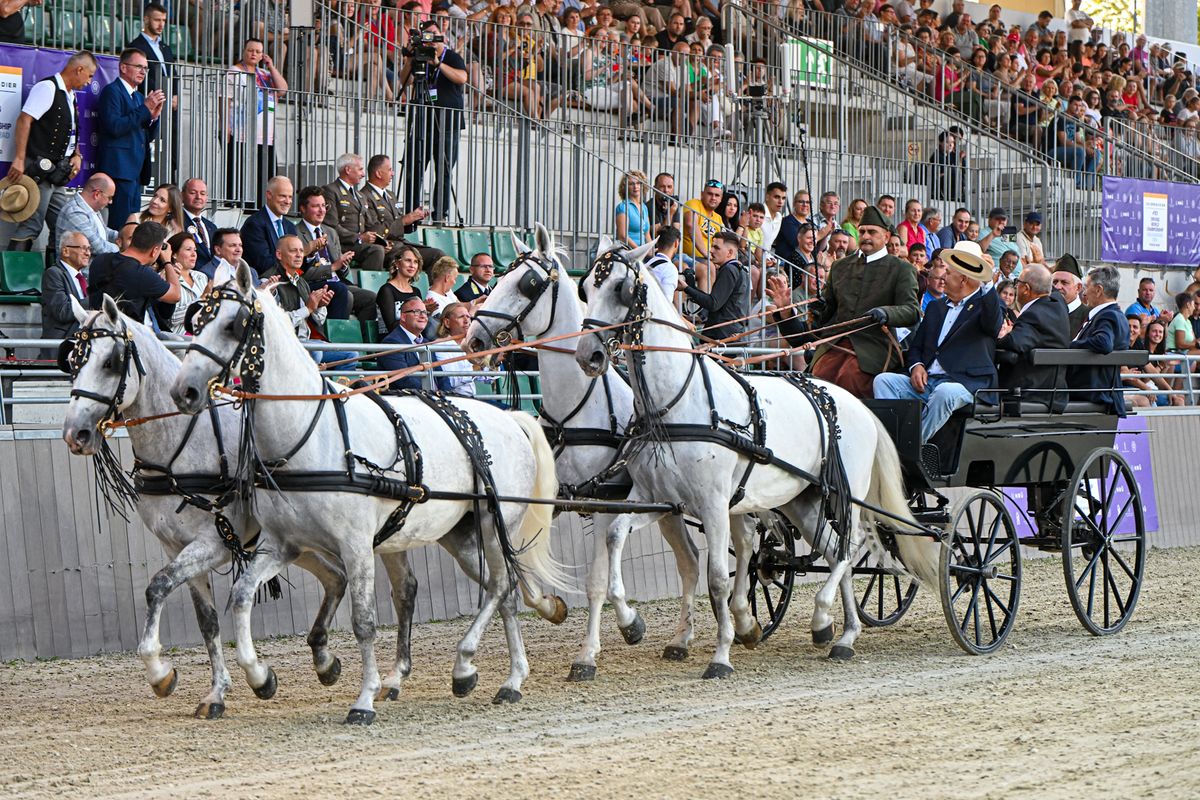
873 216
1067 263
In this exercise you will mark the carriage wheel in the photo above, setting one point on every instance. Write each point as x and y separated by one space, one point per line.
886 598
771 575
1103 542
980 573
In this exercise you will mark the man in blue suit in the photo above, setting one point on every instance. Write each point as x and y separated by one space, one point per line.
198 226
1104 331
128 121
413 318
952 354
264 228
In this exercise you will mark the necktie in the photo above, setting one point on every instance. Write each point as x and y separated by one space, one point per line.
419 340
279 228
201 231
82 284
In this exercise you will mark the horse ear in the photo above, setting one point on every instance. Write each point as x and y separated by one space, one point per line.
245 281
636 255
604 245
110 310
520 246
81 313
545 241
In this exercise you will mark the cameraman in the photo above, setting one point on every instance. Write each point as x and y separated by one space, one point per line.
435 115
46 145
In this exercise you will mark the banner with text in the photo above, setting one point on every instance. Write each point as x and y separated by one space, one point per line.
20 69
1150 222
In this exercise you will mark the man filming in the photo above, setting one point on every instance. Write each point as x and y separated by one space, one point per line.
435 115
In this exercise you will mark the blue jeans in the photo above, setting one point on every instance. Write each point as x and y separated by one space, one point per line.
325 356
940 398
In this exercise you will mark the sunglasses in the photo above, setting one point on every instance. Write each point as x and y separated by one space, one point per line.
714 185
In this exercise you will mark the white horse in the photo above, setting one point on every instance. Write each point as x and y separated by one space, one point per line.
403 446
536 298
698 471
120 367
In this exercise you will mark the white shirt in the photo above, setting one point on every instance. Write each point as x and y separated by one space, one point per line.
1076 34
128 86
1074 304
665 274
878 254
443 300
41 98
952 315
75 287
1092 314
223 272
770 228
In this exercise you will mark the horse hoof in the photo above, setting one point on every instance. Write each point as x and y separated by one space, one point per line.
581 672
388 693
506 695
634 631
167 685
358 716
674 653
840 653
210 711
751 639
464 686
823 636
330 676
718 671
559 615
267 690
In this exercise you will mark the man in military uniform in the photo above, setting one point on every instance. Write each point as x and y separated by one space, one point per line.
347 214
383 213
46 147
869 283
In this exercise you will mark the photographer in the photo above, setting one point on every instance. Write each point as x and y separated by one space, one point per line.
46 146
435 115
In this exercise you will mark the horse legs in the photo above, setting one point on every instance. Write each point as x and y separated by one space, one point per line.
844 649
268 560
747 630
716 530
359 561
583 667
213 704
404 598
628 621
687 561
803 512
197 558
333 582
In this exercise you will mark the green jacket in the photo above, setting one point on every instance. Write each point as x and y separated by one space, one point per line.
853 288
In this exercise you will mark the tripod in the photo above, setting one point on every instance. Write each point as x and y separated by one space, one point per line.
758 150
429 127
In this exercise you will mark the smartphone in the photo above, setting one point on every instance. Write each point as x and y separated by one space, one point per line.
1010 230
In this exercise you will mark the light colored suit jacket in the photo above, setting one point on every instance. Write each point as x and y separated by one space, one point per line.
78 216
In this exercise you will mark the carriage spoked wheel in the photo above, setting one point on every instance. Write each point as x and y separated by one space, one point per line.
1103 542
980 572
887 596
772 576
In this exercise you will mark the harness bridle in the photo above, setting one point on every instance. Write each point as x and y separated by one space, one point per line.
249 351
76 350
532 285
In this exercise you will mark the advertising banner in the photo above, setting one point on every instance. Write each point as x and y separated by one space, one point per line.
20 69
1150 222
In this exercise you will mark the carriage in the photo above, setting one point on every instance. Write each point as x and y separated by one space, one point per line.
1030 471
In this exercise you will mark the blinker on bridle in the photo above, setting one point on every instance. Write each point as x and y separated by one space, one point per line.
250 347
76 350
531 285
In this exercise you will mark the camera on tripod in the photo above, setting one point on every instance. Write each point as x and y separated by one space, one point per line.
421 46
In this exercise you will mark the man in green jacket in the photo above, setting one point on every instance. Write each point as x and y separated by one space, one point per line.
869 283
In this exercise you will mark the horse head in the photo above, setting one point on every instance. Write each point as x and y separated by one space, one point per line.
102 359
615 290
228 342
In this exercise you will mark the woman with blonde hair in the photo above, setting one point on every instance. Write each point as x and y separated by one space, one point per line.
165 208
632 216
455 377
442 276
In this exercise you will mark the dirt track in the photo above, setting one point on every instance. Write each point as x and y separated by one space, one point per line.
1056 714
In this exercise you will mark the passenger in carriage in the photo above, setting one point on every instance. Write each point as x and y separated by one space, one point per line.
952 354
1042 323
1104 331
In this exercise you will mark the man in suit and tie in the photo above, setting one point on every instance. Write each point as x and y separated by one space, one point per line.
128 120
1068 281
1105 331
61 282
952 353
325 265
347 214
1042 323
413 318
161 76
476 287
199 227
81 214
384 214
264 228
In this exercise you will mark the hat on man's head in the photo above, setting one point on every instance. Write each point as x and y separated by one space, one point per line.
1034 216
967 259
1067 263
873 216
997 213
19 199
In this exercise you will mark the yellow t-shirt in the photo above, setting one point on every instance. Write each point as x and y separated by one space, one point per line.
708 223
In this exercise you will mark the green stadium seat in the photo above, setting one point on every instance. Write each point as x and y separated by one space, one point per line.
67 31
179 38
21 273
347 331
372 279
471 242
35 24
460 280
370 331
422 284
444 239
100 33
504 252
133 27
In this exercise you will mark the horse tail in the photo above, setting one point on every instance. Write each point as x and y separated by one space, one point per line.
920 554
533 549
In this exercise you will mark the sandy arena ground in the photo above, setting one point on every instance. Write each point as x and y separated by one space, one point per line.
1056 714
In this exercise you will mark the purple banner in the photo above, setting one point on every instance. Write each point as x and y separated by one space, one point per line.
1133 443
20 69
1150 222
